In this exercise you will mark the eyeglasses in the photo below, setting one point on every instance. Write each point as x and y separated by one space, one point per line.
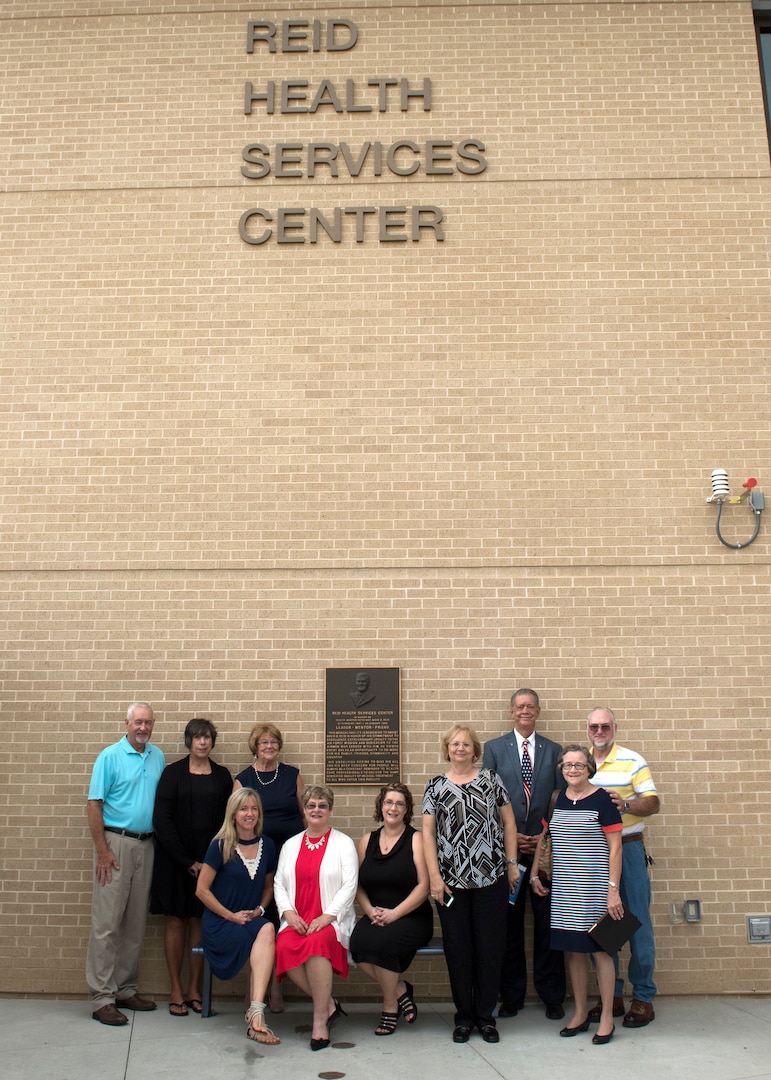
600 727
570 766
317 806
268 742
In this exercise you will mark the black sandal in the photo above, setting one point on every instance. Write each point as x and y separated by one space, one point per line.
407 1006
387 1024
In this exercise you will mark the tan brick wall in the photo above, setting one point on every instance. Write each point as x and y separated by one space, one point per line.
484 460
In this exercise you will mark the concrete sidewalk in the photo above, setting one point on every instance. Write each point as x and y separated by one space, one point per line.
709 1038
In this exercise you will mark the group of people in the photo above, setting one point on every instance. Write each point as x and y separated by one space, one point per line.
253 868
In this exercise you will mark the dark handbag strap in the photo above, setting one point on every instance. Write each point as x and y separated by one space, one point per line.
553 802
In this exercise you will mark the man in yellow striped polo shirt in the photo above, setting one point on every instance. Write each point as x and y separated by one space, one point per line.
626 777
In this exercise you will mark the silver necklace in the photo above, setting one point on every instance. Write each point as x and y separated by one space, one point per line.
581 795
317 845
265 783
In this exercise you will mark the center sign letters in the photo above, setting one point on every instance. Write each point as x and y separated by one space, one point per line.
368 158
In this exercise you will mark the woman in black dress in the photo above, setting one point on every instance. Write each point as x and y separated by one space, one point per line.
280 787
393 894
189 808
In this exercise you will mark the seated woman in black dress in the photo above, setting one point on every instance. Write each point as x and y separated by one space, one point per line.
235 885
393 894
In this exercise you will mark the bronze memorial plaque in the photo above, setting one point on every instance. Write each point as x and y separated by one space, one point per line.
363 726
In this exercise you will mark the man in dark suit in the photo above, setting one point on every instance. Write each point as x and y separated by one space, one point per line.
530 782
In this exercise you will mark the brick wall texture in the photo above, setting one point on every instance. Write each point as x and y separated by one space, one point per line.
483 459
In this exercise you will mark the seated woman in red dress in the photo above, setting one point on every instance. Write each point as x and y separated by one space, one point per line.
314 891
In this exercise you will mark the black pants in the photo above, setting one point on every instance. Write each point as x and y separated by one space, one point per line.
474 935
548 965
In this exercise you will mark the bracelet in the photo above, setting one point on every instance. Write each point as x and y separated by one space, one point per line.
513 862
260 908
534 879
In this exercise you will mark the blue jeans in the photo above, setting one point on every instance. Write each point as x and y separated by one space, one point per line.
636 895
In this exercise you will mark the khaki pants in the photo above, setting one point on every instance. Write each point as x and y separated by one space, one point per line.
118 919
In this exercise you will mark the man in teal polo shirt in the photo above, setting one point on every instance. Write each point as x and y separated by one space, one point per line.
121 798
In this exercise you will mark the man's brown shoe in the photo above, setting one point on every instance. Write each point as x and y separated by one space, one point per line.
136 1004
109 1015
596 1012
640 1014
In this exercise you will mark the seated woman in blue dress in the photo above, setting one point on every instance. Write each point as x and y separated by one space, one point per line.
235 885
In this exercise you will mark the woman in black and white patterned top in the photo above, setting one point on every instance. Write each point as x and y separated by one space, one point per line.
470 842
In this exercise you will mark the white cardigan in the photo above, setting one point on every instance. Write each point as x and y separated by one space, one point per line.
338 879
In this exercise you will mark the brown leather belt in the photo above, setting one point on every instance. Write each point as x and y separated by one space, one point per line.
632 838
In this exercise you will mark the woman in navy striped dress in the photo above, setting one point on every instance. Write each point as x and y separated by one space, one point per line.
585 830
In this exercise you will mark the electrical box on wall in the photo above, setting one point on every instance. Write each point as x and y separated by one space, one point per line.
759 929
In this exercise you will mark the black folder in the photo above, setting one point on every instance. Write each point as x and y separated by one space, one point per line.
610 934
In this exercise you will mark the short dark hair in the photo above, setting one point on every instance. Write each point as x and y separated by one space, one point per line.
199 726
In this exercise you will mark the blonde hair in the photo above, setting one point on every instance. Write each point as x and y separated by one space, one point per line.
456 729
228 834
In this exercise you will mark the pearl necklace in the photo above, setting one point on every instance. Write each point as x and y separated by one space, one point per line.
319 843
265 783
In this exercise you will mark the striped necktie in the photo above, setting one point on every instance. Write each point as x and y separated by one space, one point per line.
527 774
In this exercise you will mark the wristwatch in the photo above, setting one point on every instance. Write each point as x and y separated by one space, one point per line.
613 884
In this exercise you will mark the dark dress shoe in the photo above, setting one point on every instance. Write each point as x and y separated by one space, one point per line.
339 1011
554 1011
569 1032
461 1034
640 1014
319 1044
601 1040
109 1015
136 1004
596 1010
490 1033
508 1008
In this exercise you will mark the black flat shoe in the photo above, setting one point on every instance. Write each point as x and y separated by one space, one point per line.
508 1008
601 1040
461 1034
569 1032
489 1033
319 1044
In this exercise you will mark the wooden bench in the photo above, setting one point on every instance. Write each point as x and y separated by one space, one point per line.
434 948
